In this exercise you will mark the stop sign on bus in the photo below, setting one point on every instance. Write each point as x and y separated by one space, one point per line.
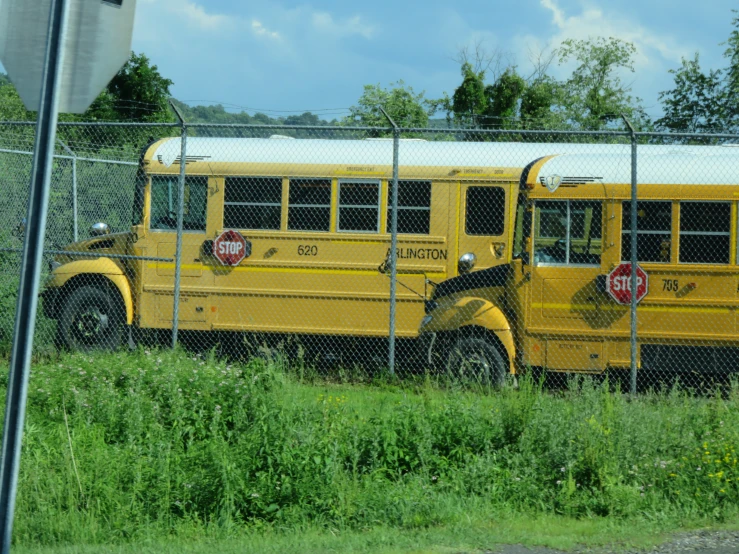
230 248
618 283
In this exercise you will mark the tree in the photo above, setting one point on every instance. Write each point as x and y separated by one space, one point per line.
138 92
468 101
503 98
697 103
11 105
594 96
407 108
536 105
731 115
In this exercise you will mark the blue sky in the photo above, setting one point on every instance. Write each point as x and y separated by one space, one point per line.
282 57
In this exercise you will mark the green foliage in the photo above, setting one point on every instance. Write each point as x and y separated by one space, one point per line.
697 103
406 107
732 77
594 96
503 98
536 105
11 105
126 446
138 92
469 100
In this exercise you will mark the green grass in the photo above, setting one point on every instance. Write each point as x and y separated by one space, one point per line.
142 449
477 533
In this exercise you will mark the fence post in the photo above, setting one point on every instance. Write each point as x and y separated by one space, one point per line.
393 258
180 216
634 259
30 270
69 151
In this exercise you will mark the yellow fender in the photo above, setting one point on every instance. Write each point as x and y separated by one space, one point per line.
470 311
99 266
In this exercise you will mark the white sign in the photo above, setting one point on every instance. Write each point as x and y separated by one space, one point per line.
96 44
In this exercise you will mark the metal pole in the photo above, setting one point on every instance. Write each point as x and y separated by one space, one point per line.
25 314
633 260
393 240
180 215
74 190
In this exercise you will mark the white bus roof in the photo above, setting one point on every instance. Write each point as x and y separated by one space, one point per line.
368 152
685 165
607 163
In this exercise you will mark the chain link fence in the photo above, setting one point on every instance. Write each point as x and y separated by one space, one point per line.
468 254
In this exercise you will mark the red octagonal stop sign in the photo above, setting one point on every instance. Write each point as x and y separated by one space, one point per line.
618 283
230 248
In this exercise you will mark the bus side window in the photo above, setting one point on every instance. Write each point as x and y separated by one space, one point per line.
359 206
252 203
164 194
653 231
522 229
309 205
705 232
485 211
568 232
414 207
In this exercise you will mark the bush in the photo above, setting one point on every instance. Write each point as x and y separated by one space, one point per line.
125 445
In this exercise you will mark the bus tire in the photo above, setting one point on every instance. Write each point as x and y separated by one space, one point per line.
91 318
477 360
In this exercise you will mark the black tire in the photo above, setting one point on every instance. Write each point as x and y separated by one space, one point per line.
91 318
477 360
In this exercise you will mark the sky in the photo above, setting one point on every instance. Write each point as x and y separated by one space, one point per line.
283 57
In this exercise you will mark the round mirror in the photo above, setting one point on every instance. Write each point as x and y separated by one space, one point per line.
466 262
99 229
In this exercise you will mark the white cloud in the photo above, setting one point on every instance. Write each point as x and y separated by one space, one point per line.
354 25
558 15
592 21
196 15
260 30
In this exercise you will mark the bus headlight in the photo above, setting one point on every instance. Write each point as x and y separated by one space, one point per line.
466 263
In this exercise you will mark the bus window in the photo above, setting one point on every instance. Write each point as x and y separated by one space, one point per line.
164 193
414 207
653 231
309 205
523 226
359 206
485 214
568 232
705 232
253 203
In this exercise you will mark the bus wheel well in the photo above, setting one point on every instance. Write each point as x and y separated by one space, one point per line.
481 332
88 280
447 339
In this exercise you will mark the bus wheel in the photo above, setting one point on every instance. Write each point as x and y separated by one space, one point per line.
477 360
91 319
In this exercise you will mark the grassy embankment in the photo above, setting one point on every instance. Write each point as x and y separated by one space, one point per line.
142 448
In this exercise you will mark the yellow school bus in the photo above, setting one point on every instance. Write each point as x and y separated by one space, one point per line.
315 215
549 306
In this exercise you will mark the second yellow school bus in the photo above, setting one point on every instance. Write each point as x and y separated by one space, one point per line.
549 308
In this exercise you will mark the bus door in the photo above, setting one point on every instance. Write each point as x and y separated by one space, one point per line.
566 313
483 220
157 278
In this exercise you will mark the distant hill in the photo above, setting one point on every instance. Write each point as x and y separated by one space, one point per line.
216 113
